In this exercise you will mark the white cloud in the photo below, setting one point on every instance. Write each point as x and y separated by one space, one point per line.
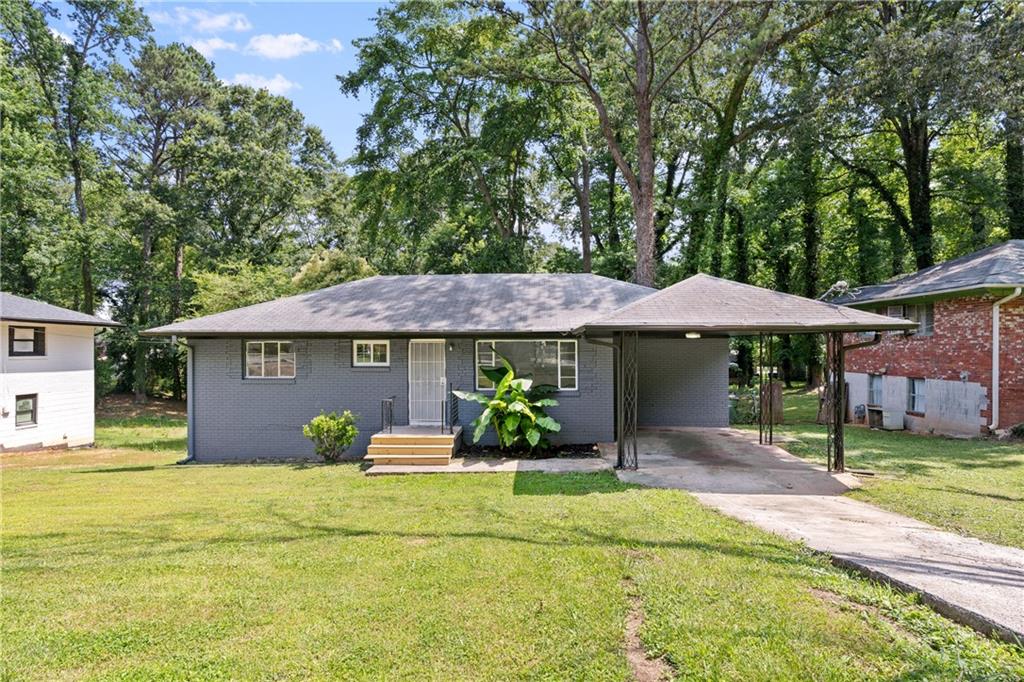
209 47
63 37
278 85
288 45
203 21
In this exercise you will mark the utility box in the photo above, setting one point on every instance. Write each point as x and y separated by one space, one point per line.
892 420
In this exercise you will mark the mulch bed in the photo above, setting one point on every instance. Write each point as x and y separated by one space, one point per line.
494 452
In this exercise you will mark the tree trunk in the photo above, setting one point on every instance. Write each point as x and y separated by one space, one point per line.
914 140
88 293
141 375
811 234
741 273
586 227
176 308
718 227
614 238
643 191
1014 165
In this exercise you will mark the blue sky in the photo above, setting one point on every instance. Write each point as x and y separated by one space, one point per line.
293 49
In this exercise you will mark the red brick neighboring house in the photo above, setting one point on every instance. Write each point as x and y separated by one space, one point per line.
940 379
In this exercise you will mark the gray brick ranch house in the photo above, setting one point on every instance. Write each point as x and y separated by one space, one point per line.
623 356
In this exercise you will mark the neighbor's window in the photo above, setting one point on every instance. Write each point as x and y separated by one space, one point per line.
924 315
371 353
897 312
25 410
874 389
26 341
546 361
269 360
915 395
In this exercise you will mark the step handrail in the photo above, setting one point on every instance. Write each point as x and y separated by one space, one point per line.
387 414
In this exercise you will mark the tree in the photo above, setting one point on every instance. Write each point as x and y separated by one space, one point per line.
445 143
917 67
164 94
623 57
329 267
73 74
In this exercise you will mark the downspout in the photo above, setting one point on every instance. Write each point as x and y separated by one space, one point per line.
995 355
190 412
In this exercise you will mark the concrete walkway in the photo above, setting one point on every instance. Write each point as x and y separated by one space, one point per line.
472 465
974 582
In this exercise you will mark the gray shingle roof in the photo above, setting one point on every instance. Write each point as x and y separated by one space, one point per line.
1001 265
422 304
21 309
703 303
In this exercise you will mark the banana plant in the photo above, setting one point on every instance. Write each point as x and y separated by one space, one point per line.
516 409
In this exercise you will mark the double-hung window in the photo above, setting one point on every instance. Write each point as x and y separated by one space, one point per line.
26 410
546 361
371 353
924 315
915 395
897 312
269 360
25 341
874 389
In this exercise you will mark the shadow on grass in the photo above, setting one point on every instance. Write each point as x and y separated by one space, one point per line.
120 470
974 493
554 483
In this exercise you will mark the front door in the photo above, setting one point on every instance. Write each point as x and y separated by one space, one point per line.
426 381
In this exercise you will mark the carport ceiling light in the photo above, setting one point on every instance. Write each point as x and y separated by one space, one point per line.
693 335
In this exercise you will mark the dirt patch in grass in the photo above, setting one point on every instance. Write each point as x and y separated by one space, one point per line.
644 669
122 406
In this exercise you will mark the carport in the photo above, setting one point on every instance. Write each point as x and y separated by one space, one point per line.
705 307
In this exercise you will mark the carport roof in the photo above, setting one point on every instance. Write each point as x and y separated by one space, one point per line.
707 304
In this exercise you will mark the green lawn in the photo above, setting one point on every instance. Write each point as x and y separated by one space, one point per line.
118 564
974 487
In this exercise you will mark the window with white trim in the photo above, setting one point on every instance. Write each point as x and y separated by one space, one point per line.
24 341
26 410
371 353
874 389
915 395
546 361
269 360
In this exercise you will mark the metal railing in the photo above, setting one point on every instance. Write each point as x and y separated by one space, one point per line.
449 412
387 414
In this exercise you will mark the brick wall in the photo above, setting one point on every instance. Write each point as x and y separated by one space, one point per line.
960 349
237 419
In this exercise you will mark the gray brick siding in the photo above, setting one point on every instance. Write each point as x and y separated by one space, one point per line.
233 418
586 415
683 382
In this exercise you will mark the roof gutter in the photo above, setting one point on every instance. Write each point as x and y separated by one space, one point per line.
995 354
928 294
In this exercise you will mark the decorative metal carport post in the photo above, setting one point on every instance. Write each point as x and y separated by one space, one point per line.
765 367
835 400
629 352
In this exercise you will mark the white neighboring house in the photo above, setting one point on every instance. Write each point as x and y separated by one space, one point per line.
47 382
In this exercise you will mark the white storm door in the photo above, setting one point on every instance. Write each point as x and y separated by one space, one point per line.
426 381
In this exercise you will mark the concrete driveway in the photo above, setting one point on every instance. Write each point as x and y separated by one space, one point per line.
974 582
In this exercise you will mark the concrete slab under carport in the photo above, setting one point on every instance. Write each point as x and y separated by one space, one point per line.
976 583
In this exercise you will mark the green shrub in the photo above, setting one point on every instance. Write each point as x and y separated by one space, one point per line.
515 411
331 434
1017 430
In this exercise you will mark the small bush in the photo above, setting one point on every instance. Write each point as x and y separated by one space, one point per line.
332 434
1017 430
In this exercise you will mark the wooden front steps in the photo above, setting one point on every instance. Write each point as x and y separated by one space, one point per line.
414 445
